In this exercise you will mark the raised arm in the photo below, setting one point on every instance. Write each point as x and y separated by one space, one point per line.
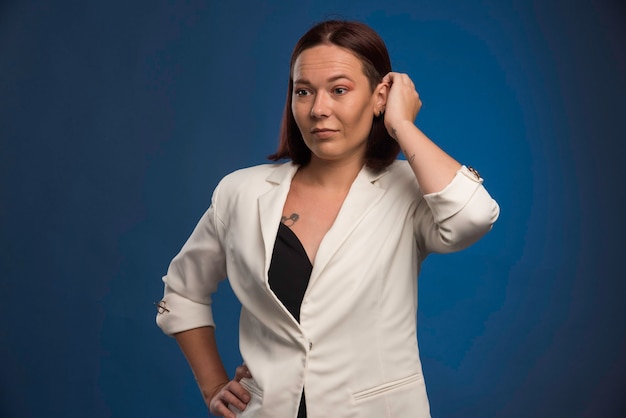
433 167
457 210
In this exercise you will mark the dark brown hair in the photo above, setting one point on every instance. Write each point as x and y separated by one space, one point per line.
364 42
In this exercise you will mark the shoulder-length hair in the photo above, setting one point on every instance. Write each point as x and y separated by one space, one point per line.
381 149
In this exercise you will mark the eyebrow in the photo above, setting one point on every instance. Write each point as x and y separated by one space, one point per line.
330 80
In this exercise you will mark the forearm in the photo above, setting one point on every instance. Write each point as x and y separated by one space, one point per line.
433 167
200 349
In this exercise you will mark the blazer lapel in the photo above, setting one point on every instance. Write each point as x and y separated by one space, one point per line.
271 206
361 198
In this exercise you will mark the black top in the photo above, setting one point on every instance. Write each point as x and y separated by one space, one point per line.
290 270
289 274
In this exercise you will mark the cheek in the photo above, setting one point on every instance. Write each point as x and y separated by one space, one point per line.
298 113
360 119
360 111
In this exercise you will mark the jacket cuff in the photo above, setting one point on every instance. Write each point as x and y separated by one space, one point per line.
177 314
455 195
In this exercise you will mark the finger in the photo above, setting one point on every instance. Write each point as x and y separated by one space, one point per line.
241 372
232 399
389 77
220 409
401 79
239 391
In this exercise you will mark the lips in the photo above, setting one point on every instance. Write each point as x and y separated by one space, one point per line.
322 133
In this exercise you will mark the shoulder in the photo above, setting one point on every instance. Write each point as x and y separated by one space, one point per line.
399 175
251 180
257 173
401 168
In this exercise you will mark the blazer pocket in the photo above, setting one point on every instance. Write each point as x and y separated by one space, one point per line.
255 406
386 387
251 386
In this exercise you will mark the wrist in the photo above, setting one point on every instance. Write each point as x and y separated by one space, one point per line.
208 393
400 129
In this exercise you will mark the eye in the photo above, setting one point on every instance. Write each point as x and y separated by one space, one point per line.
301 92
340 90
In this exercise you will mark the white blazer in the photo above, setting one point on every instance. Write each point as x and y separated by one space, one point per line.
355 349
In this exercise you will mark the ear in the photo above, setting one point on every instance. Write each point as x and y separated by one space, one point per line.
380 98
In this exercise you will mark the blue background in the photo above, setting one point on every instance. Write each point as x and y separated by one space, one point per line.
117 119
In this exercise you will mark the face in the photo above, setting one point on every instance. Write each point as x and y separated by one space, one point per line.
332 102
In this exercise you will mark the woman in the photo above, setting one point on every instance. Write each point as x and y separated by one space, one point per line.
323 251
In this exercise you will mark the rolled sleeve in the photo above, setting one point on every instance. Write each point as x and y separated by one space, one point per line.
460 214
192 277
177 313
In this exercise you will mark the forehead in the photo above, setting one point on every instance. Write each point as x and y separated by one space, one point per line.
326 61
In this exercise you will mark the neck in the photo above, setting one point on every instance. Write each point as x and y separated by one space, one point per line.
334 175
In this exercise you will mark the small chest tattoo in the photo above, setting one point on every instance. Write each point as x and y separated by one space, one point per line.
290 220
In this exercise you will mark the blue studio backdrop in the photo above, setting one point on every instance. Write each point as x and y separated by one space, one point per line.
117 119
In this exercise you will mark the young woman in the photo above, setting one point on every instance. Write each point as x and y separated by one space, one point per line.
323 251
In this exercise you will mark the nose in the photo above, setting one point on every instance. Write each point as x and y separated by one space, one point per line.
321 107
